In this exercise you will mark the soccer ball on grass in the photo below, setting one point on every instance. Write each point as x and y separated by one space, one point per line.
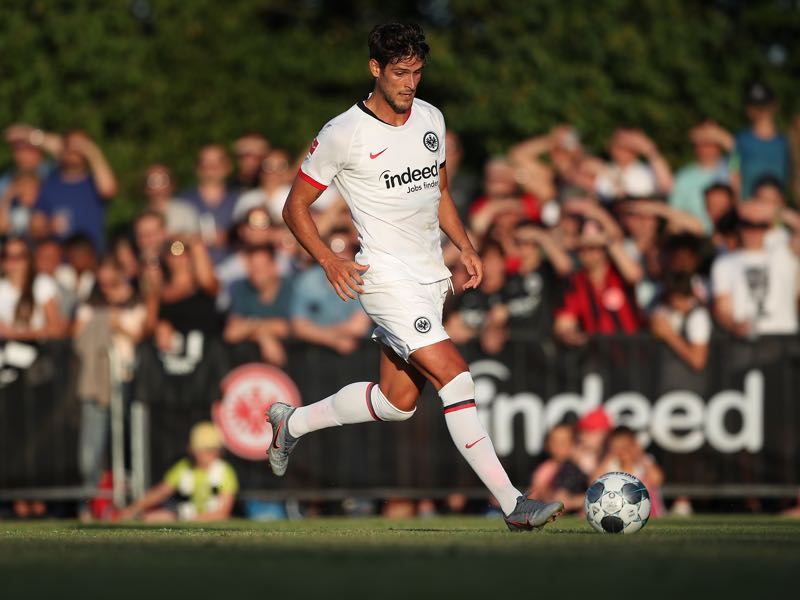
617 503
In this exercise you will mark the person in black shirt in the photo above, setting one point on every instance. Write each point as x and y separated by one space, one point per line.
480 313
530 294
187 296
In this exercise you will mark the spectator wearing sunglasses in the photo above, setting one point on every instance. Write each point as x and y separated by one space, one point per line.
755 287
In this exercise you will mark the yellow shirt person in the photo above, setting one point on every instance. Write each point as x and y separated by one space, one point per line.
204 484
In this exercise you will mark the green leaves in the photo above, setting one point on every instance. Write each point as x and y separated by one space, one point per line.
153 80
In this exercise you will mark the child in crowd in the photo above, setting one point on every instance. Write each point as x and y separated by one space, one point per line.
682 322
625 453
593 428
558 477
200 488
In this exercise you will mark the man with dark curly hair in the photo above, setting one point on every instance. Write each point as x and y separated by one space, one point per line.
387 157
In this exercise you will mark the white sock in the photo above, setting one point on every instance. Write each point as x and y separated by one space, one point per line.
355 403
471 439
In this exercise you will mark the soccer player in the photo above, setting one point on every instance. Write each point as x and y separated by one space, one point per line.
387 157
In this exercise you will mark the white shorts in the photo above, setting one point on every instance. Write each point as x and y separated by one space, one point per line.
408 314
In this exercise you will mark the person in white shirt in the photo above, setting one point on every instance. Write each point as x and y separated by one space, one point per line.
273 188
386 155
756 287
626 174
28 302
682 322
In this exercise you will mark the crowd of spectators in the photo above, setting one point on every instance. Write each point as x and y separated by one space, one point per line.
574 244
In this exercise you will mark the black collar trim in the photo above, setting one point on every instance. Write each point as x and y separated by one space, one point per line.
363 107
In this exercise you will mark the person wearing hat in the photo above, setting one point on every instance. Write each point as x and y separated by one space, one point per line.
201 487
711 144
761 150
592 429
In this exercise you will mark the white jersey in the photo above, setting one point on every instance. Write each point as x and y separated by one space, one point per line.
389 177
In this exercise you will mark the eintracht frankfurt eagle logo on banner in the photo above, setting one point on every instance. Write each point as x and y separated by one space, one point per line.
247 393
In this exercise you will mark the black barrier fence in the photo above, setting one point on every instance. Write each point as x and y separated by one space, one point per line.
39 415
732 427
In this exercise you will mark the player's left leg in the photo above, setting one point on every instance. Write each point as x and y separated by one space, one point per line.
444 367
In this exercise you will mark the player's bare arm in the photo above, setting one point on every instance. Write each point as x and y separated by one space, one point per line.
451 224
344 275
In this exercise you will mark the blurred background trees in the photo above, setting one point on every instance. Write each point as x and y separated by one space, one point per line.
155 79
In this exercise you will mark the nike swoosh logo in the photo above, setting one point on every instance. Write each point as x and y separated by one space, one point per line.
275 437
377 154
468 446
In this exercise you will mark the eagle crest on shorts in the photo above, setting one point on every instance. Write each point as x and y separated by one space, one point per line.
422 324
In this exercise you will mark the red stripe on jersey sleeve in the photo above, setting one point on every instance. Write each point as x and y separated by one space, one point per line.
311 180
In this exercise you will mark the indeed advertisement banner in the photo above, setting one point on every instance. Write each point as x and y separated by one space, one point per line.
680 421
736 423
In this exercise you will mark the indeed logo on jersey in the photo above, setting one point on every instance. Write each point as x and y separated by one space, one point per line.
410 177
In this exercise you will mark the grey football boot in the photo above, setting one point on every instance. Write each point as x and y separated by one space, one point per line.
282 441
532 514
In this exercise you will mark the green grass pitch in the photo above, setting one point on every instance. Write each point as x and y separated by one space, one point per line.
709 557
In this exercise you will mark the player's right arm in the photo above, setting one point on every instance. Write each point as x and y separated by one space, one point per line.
326 158
344 275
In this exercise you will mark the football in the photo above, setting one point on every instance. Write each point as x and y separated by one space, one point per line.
617 503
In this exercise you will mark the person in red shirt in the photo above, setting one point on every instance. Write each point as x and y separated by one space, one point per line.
599 298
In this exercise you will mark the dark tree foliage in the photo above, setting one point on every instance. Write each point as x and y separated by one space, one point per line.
154 79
